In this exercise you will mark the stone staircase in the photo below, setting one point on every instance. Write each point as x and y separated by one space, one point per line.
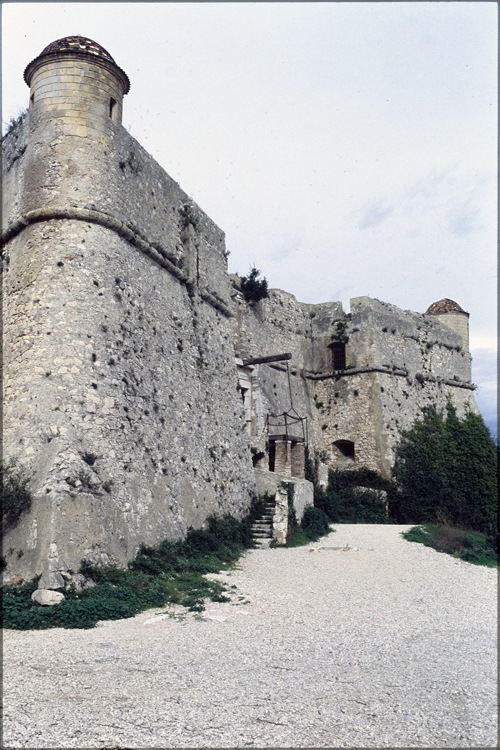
262 529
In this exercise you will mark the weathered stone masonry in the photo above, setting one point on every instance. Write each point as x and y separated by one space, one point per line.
397 362
126 397
119 375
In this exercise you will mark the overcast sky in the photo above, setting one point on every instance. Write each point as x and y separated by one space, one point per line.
346 149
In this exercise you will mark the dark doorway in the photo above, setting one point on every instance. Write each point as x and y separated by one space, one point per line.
346 448
272 455
257 458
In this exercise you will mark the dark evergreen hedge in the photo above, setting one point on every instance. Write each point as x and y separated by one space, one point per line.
315 523
446 472
346 501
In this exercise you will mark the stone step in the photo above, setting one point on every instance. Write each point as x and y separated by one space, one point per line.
262 543
262 528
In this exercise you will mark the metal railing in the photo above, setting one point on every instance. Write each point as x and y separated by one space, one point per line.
287 426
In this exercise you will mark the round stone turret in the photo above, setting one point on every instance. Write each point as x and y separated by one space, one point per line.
453 316
77 87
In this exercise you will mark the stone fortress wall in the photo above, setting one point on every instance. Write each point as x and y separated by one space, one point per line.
119 376
126 394
396 362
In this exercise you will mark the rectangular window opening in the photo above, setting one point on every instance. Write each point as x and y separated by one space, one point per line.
272 455
338 355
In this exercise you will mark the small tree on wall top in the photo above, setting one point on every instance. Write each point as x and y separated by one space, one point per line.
253 288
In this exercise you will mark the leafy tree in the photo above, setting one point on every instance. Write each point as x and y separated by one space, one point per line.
253 288
446 471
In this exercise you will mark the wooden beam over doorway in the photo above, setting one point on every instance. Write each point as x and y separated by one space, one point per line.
264 360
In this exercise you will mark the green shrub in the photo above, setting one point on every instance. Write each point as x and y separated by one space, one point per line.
340 479
472 547
188 216
172 572
253 288
445 472
315 523
344 502
16 496
299 539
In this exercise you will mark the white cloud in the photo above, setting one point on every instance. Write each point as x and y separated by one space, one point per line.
374 214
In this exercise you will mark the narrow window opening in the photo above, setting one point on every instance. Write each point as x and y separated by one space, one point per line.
272 455
338 355
113 109
32 99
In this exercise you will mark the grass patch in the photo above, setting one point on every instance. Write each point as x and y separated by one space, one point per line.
300 539
314 525
171 573
470 546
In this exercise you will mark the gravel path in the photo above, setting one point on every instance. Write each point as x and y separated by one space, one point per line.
391 645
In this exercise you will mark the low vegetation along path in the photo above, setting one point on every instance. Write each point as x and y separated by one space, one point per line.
391 644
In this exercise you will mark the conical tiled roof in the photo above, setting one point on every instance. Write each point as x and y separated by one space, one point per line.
80 45
444 306
77 44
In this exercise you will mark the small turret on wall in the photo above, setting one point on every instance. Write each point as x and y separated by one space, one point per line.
75 84
451 314
119 378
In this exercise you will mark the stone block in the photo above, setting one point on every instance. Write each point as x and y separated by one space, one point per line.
283 458
322 472
47 598
51 580
269 482
297 454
